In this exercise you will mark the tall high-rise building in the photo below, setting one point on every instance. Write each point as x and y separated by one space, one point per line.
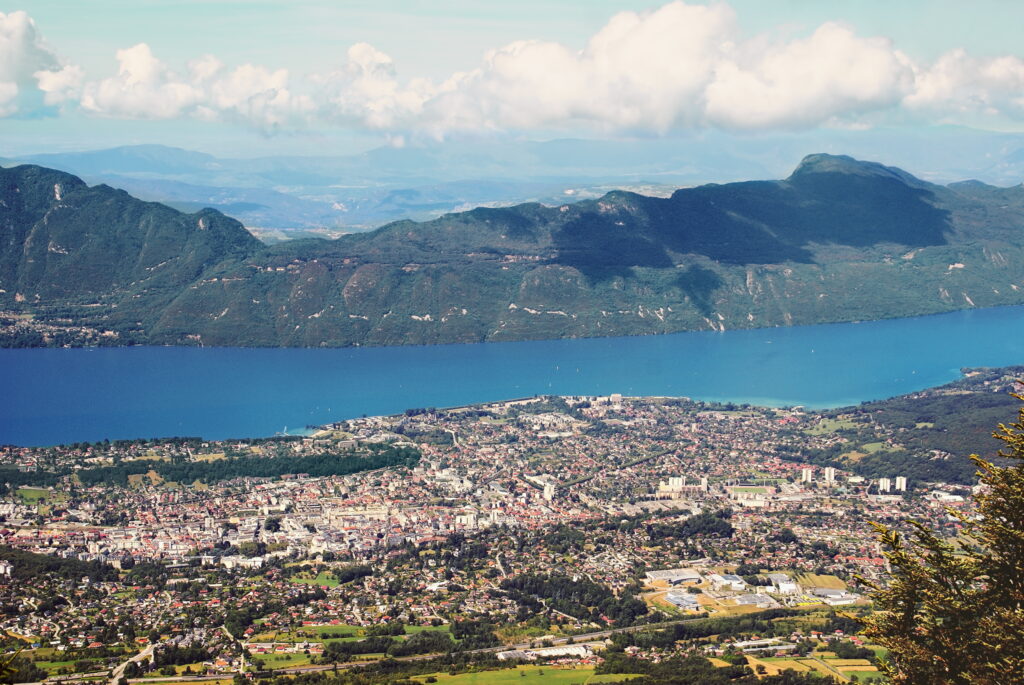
830 474
884 485
549 491
901 483
806 475
674 484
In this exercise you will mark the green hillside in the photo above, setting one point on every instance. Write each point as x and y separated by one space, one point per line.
838 240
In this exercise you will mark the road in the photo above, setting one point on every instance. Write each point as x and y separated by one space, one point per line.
586 637
141 656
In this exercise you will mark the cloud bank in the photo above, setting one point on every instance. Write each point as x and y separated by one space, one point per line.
677 67
31 75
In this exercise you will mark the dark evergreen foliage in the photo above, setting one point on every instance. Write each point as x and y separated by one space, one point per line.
28 565
580 598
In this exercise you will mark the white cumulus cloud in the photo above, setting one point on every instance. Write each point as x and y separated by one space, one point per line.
675 67
146 88
61 85
803 83
31 74
959 83
367 92
678 66
641 71
143 88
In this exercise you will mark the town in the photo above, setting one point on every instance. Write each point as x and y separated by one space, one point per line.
546 529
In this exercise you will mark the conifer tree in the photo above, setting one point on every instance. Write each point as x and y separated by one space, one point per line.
953 612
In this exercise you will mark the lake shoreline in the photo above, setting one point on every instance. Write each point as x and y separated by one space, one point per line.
86 394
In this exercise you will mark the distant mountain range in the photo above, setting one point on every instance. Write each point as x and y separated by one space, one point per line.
287 196
837 240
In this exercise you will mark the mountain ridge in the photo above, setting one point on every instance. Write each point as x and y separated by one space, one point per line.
837 240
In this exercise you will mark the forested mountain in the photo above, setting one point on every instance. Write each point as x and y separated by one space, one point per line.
64 241
838 240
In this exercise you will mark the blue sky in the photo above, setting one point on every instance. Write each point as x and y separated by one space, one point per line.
434 37
296 76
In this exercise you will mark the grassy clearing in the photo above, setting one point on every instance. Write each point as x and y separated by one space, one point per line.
151 457
824 663
519 633
864 676
340 630
818 667
276 661
210 456
830 426
197 667
880 652
813 580
444 628
323 578
54 667
775 665
333 633
530 675
31 496
138 479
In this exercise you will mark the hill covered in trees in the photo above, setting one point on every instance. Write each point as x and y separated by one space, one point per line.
837 240
933 431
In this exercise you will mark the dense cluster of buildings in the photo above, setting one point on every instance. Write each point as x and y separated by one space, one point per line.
498 491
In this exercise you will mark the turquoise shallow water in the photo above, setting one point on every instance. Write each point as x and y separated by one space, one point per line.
54 396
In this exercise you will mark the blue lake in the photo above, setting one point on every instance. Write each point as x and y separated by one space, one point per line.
52 396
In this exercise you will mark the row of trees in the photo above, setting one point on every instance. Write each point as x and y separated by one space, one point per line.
320 465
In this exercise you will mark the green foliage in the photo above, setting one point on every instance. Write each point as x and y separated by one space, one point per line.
695 670
955 419
69 243
29 565
955 614
350 573
707 524
580 598
366 458
16 669
760 623
343 651
758 254
321 465
173 655
426 642
389 628
474 634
